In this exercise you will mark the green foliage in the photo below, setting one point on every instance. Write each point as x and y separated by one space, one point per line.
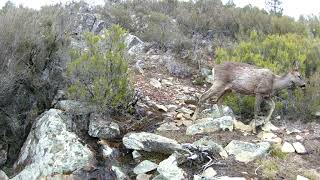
275 151
270 168
100 73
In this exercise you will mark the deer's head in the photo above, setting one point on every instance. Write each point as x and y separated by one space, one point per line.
295 77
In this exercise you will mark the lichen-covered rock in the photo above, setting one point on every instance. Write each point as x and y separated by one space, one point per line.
133 44
150 142
208 125
246 152
103 128
51 149
119 173
74 107
3 156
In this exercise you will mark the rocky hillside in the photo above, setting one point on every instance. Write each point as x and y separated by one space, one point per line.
69 139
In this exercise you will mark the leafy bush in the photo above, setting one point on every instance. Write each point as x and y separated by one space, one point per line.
100 73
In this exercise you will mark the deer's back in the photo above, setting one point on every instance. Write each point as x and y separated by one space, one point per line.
245 78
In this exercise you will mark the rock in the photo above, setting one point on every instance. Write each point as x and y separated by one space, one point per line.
61 95
188 99
155 83
317 113
206 144
136 155
119 173
166 82
205 72
103 128
210 79
75 107
300 149
107 151
197 177
246 152
209 173
229 178
51 149
143 177
139 66
168 170
292 130
161 107
299 138
169 126
269 137
208 125
241 126
144 167
150 142
187 123
133 44
185 110
3 175
268 127
3 156
287 148
172 108
214 112
301 178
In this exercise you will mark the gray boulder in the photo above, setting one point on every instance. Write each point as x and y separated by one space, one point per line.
246 152
144 167
51 149
150 142
119 173
208 125
74 107
103 128
3 156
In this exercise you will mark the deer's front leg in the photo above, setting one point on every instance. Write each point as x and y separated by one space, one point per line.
272 105
257 109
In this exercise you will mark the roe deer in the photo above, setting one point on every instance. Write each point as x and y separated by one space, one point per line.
248 80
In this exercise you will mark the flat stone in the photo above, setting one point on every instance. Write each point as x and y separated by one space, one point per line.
161 107
301 178
287 148
268 127
209 125
269 137
166 82
172 108
168 126
155 83
245 151
144 167
242 127
150 142
185 110
300 149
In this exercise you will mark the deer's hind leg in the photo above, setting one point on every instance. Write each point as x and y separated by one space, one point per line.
217 89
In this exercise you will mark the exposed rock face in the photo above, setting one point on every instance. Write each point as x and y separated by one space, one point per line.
168 170
208 125
246 152
133 44
51 149
3 156
144 167
150 142
103 128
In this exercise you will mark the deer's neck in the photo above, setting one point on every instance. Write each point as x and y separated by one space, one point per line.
281 82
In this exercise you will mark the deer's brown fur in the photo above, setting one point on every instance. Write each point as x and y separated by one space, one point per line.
249 80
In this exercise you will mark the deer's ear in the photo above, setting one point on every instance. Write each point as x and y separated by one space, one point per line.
295 65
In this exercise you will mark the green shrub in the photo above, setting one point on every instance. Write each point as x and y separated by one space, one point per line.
100 73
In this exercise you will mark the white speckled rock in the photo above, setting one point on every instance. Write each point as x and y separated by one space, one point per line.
246 152
208 125
150 142
51 149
